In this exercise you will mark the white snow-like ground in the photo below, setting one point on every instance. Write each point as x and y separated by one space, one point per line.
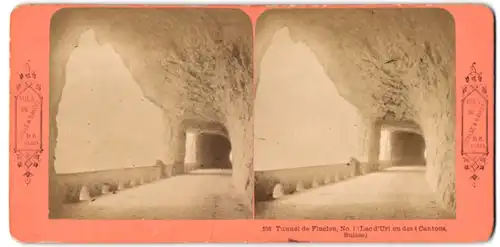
201 194
393 193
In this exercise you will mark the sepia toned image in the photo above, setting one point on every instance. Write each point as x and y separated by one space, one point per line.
151 114
355 114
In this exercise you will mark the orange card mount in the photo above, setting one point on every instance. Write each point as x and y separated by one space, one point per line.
325 123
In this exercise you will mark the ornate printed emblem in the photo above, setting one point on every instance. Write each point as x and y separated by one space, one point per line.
28 122
474 147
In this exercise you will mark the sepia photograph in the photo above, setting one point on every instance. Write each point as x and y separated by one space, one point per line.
355 114
157 123
151 114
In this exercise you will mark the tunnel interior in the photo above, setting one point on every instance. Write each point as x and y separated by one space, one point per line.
204 74
207 148
402 146
407 149
212 151
389 67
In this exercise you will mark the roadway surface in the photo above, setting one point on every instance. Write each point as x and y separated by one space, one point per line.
201 194
393 193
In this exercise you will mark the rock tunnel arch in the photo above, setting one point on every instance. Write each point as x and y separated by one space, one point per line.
402 144
213 150
392 64
306 108
208 146
114 127
171 73
411 151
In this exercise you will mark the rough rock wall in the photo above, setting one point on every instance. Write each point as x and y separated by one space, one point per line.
194 64
396 64
300 119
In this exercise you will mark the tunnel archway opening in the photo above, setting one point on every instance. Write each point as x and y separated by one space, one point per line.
408 149
313 104
101 128
213 151
207 151
402 145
